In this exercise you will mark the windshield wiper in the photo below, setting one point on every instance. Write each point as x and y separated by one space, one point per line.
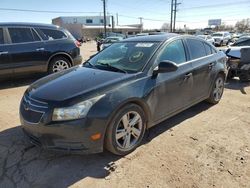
112 67
87 62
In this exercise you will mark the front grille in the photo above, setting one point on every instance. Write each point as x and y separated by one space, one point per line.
32 110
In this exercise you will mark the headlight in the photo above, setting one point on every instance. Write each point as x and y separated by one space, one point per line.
76 111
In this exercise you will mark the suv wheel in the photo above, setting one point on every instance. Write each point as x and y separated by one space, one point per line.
126 130
58 64
217 90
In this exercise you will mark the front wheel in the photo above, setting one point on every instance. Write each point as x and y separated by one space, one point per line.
217 90
126 131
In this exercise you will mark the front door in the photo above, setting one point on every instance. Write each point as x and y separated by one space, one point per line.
172 90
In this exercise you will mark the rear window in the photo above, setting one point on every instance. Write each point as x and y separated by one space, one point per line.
197 48
1 36
20 35
51 34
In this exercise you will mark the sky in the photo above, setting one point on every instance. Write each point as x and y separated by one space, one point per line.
192 13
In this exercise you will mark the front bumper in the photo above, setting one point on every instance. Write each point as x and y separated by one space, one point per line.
70 136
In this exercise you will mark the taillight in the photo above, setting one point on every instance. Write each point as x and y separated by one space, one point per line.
77 43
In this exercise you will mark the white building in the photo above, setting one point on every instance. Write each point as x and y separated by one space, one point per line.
92 26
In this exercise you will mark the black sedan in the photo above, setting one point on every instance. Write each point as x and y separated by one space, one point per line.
111 100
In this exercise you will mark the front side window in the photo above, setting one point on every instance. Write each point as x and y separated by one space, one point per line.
127 56
173 52
1 36
52 34
21 35
243 43
196 48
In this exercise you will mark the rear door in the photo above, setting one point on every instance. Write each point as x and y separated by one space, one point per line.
203 62
173 90
5 68
26 50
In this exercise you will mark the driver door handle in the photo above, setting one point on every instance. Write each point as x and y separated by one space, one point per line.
40 49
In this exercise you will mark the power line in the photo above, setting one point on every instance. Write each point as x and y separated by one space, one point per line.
216 5
47 11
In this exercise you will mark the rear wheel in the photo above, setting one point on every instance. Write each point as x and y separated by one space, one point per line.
217 90
126 130
58 64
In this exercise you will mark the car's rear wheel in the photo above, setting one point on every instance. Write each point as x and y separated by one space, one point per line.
58 64
217 90
126 131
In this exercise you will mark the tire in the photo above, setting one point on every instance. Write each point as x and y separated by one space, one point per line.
58 64
221 43
120 130
217 90
244 77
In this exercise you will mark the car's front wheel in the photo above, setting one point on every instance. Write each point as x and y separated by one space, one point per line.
126 130
58 64
217 90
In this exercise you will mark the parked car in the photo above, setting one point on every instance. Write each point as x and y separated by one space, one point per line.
26 48
111 100
208 38
221 38
239 59
110 40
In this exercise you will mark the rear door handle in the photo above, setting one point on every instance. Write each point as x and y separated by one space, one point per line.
188 75
210 66
2 53
40 49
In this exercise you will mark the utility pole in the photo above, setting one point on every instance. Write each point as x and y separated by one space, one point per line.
175 6
141 23
171 21
117 19
113 23
175 10
104 18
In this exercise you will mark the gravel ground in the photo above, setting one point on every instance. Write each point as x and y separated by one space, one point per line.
204 146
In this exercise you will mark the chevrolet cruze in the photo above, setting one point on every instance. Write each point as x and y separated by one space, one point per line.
113 98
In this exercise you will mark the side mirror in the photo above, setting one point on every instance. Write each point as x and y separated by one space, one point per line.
165 66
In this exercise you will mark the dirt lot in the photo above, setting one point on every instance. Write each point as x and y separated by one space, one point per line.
205 146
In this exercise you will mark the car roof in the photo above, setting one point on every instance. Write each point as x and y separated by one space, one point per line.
151 38
26 24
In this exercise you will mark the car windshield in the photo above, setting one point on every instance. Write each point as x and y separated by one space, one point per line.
217 35
129 57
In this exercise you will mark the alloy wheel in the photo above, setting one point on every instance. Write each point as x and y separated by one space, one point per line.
218 89
129 130
60 65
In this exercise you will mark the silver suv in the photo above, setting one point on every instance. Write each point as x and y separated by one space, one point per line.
221 38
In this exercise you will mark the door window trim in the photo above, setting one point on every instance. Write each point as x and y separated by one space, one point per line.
26 27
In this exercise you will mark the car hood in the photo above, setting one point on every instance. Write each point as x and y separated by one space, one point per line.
74 82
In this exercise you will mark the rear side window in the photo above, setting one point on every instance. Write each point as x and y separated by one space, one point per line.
20 35
51 34
208 49
174 52
1 36
196 48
